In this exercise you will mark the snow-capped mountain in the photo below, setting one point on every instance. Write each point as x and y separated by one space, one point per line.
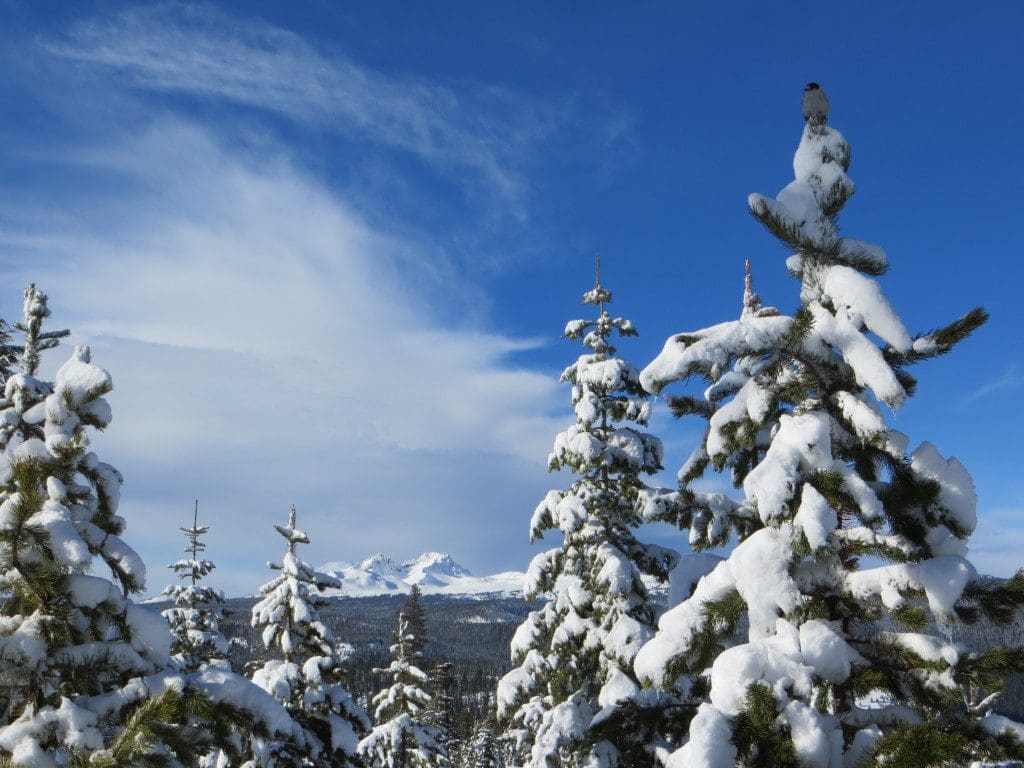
434 572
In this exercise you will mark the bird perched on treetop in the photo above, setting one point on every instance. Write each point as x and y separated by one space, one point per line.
815 104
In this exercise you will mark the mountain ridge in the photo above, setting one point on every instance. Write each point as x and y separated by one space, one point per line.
433 572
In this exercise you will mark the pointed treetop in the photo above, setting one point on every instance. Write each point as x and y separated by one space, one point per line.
751 301
193 533
193 569
34 302
291 533
598 294
35 310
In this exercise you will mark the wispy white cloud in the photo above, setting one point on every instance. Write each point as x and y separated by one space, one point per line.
194 49
1010 379
275 336
268 346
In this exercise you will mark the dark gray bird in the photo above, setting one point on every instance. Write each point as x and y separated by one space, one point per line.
815 104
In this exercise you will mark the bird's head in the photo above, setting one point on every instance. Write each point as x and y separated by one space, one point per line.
812 87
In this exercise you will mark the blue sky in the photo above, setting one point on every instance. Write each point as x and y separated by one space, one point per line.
327 250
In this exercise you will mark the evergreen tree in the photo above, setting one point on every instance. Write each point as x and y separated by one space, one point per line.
574 656
402 737
513 748
844 662
85 671
416 616
198 610
309 678
443 705
23 392
734 440
483 749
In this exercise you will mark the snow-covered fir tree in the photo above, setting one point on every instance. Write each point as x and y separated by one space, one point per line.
86 673
733 442
851 565
574 656
483 750
198 609
308 679
22 390
66 636
402 736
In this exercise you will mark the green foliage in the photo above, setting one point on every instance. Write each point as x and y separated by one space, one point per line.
935 744
760 741
991 668
997 601
832 485
789 233
721 618
687 405
910 617
942 340
835 197
153 735
922 746
630 725
863 680
860 260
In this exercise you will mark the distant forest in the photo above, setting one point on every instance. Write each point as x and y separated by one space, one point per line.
473 634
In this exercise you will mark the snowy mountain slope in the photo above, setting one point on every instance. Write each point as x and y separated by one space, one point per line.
434 569
436 573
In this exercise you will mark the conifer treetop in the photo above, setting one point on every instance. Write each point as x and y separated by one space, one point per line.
194 569
22 391
37 341
751 301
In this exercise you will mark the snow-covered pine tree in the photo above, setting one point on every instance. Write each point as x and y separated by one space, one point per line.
402 737
729 445
574 656
483 749
22 390
86 675
845 662
309 678
198 609
730 442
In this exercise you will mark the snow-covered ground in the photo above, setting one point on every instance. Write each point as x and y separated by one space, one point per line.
434 572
